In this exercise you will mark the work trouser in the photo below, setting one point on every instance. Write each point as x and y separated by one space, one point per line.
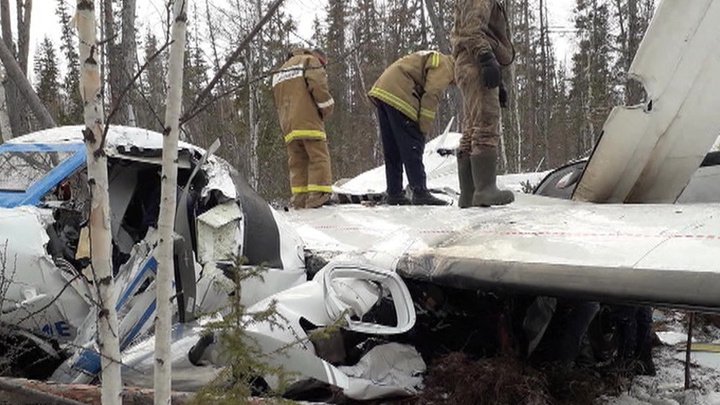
481 107
310 172
403 145
634 330
563 339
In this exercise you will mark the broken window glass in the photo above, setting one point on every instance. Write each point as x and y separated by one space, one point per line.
20 170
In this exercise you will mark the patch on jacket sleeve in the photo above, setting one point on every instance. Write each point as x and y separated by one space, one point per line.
288 73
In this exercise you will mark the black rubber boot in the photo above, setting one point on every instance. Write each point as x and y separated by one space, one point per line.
398 199
465 176
484 177
423 197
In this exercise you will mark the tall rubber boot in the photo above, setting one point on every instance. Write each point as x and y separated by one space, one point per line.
484 173
465 176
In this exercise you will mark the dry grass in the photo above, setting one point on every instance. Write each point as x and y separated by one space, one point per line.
456 379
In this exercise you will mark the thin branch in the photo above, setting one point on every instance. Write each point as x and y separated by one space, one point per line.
196 111
688 351
152 109
10 327
49 304
233 58
127 88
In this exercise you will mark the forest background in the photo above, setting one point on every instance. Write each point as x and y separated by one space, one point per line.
557 104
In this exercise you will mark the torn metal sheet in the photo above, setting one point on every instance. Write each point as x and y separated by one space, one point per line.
704 187
338 292
388 370
139 360
219 178
648 153
271 282
31 297
214 288
220 233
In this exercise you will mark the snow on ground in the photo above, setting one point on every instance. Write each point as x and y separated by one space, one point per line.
667 388
441 172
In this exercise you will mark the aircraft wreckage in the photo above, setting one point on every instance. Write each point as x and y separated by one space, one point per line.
404 281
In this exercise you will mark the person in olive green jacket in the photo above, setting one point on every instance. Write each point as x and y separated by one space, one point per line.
481 46
304 102
406 96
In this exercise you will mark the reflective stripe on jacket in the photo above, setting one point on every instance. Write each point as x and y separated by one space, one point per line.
302 97
414 84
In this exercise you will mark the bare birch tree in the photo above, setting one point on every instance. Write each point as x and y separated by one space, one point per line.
100 238
168 199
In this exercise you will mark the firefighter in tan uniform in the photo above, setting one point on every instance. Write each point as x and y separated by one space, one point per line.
481 46
406 96
303 101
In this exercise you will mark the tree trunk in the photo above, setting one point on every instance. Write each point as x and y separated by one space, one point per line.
503 147
23 11
18 125
25 89
100 238
635 32
115 63
252 122
24 14
168 201
5 127
441 35
213 43
253 101
546 80
128 51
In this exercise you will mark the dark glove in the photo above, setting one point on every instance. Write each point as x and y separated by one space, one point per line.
503 96
446 152
490 70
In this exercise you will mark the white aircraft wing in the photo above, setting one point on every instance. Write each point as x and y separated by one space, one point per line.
648 153
659 254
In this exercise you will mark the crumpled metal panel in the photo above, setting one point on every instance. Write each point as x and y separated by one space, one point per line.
339 291
31 297
139 360
220 233
386 371
648 153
